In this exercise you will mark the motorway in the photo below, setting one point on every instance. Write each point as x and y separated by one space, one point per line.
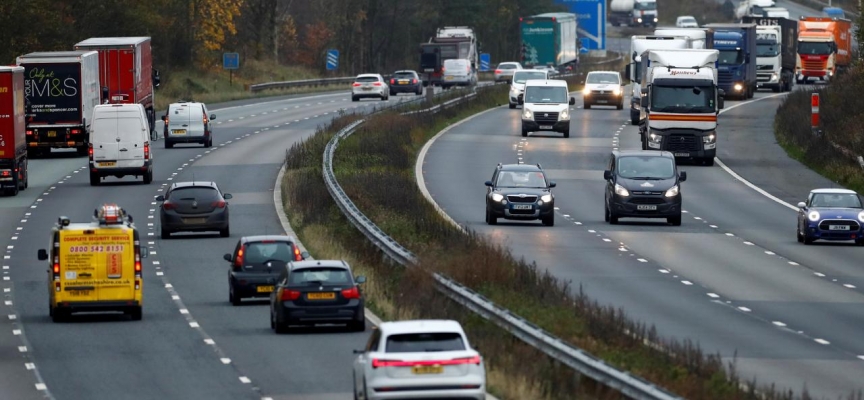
191 343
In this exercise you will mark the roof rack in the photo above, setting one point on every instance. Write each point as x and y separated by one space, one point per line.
111 214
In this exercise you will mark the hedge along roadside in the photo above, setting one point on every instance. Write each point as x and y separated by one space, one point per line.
377 175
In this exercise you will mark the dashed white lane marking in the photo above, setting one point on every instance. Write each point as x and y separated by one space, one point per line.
209 341
30 366
642 260
688 283
225 360
713 295
194 325
770 253
22 349
793 263
849 286
778 323
184 311
664 271
748 243
745 309
861 357
607 240
41 386
730 234
245 379
822 341
819 274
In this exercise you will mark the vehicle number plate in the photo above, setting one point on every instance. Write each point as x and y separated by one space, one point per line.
52 133
838 227
682 154
194 220
601 101
403 81
643 207
321 296
427 369
521 206
367 88
178 131
79 292
107 163
264 289
545 126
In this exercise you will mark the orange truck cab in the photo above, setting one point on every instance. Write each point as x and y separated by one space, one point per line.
95 266
824 47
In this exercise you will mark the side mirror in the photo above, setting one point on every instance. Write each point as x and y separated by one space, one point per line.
552 184
607 175
227 257
360 279
156 78
643 101
801 204
42 254
160 198
227 196
572 101
627 70
682 176
144 252
212 116
721 102
305 255
488 183
105 98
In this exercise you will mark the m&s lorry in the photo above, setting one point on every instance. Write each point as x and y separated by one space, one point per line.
95 266
824 48
13 147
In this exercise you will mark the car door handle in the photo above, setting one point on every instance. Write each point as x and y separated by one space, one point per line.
124 149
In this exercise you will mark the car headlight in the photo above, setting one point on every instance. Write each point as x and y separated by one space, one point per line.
672 192
546 198
738 87
564 116
709 139
813 215
586 91
861 216
616 91
621 190
497 197
655 138
527 114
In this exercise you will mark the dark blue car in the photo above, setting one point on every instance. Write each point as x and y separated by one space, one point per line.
831 214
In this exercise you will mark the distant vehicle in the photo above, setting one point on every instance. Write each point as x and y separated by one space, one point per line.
517 87
520 192
831 214
317 292
504 71
833 12
369 85
448 43
458 72
13 142
197 206
420 359
188 122
700 38
120 143
775 12
686 21
736 65
406 81
638 45
603 88
752 8
633 13
257 262
643 184
777 52
545 107
549 39
550 70
95 266
824 48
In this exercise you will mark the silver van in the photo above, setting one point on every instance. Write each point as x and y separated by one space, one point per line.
188 122
458 72
120 143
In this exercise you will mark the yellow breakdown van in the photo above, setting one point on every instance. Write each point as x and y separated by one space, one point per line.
95 266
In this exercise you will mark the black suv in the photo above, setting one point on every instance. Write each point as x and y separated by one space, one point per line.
643 184
520 192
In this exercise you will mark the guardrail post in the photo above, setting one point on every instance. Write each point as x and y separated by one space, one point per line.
814 114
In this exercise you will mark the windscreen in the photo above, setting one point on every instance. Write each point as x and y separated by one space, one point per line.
262 252
839 200
506 66
688 20
320 276
767 50
522 76
645 5
200 194
403 75
521 179
429 61
425 342
546 94
730 57
682 99
636 167
815 48
602 78
366 79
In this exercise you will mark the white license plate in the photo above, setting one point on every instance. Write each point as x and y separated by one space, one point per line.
545 126
682 154
838 227
521 206
367 88
194 220
643 207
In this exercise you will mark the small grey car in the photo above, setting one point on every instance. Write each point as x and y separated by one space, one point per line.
197 206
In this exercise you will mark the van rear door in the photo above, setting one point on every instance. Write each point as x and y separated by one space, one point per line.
131 134
106 148
77 270
114 262
178 120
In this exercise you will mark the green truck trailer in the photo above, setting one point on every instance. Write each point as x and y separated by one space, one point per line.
549 39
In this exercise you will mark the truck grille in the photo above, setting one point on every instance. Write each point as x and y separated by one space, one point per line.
853 225
763 67
681 143
724 79
761 77
815 65
517 199
545 117
601 92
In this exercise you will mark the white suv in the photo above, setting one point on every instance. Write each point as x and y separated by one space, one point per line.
419 359
369 85
546 107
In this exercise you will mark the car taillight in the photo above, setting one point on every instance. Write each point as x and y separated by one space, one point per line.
392 81
356 84
168 205
289 295
29 132
146 151
219 204
297 256
238 261
377 363
497 71
6 172
352 293
90 151
414 81
376 84
76 131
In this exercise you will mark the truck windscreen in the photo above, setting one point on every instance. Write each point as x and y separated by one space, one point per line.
728 57
645 5
767 50
682 99
815 48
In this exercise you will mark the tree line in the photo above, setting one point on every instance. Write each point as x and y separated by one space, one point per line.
371 35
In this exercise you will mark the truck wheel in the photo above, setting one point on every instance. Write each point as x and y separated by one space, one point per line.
136 313
512 106
524 132
620 106
168 144
566 133
587 106
94 179
675 221
708 162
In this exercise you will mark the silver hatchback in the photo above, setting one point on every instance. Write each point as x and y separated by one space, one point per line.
369 85
188 122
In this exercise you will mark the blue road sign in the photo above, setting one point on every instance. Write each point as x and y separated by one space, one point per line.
230 60
583 44
591 15
484 62
332 59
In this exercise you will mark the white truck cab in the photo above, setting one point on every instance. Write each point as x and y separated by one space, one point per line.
546 106
638 45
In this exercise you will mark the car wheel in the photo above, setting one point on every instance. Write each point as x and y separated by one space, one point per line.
168 144
81 150
148 177
392 93
675 221
165 233
208 142
491 219
512 106
859 242
59 315
807 240
233 298
94 179
137 313
282 327
606 213
799 236
620 106
225 232
708 162
613 219
357 326
272 320
634 121
587 106
549 221
566 134
524 132
354 98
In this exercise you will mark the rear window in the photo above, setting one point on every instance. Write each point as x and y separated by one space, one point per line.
118 125
321 276
403 75
425 342
506 66
261 252
200 194
367 79
455 64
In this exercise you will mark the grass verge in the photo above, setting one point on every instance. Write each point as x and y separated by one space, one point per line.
375 168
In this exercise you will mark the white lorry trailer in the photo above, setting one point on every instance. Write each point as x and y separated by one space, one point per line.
638 45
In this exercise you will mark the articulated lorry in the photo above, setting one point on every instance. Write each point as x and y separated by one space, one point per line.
549 39
450 42
13 146
632 13
680 103
776 52
126 73
824 48
736 66
61 88
638 45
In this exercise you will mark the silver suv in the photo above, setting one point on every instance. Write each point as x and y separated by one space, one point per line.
188 122
369 85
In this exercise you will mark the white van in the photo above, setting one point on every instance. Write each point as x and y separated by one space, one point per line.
120 143
458 72
546 107
188 122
